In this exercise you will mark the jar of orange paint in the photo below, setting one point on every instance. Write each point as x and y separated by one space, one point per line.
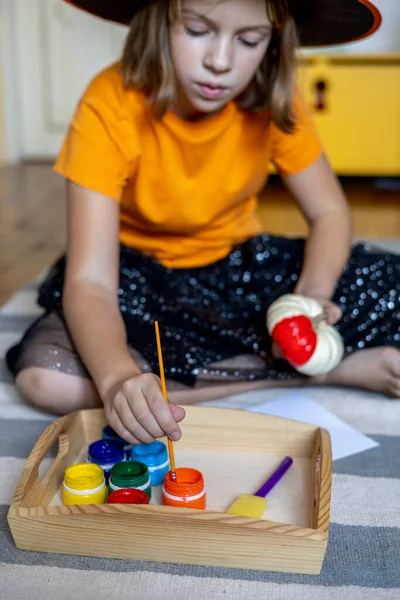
188 491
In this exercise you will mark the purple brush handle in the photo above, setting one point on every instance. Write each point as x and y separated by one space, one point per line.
275 477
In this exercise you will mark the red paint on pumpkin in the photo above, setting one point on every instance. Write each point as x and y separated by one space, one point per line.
296 338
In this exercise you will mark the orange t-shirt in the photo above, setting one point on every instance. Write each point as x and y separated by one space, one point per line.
188 190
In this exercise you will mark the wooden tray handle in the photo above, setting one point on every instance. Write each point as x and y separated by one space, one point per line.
322 478
31 489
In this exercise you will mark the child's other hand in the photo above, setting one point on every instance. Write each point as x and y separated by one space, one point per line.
137 411
333 315
332 311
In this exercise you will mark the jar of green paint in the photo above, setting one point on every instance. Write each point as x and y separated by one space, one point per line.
130 474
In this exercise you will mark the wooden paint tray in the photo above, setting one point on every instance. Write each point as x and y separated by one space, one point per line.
235 450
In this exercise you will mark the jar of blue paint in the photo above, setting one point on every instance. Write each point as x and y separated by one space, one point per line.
155 456
110 434
106 454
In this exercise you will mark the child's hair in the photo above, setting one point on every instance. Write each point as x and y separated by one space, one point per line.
147 64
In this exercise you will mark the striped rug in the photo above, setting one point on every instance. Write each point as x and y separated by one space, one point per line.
363 557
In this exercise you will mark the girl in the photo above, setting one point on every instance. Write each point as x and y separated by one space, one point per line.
163 161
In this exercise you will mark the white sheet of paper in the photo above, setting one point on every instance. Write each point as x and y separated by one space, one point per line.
345 439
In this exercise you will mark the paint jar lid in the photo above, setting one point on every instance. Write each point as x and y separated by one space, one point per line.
106 451
129 474
189 482
153 454
109 434
85 476
128 496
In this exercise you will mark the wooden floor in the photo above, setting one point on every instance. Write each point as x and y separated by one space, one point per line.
32 216
32 219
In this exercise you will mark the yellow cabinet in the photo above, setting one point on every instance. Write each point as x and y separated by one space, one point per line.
355 102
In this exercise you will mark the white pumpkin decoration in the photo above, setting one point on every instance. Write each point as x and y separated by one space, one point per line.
308 342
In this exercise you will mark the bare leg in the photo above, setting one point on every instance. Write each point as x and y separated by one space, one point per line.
58 393
215 392
375 369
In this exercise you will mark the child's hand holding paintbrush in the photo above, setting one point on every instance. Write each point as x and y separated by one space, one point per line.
135 408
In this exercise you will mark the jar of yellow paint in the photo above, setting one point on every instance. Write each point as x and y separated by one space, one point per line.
84 484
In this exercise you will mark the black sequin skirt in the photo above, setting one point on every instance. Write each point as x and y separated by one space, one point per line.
212 318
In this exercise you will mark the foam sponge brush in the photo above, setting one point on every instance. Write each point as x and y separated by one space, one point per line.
254 506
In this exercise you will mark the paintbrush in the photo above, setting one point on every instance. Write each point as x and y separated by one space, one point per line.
248 505
164 391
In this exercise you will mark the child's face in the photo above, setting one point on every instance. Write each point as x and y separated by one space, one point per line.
216 51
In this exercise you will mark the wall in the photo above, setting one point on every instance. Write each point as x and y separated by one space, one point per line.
2 115
9 113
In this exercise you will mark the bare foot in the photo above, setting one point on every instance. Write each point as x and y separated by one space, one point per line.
375 369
